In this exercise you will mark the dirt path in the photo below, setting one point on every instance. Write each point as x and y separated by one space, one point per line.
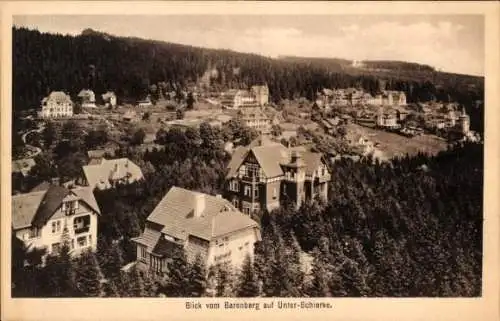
33 149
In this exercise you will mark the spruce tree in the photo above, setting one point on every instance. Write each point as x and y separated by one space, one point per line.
319 286
88 276
58 274
197 277
224 280
248 283
177 283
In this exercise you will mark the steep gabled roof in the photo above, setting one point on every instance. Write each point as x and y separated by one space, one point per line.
270 156
36 208
312 161
24 207
174 214
237 159
50 202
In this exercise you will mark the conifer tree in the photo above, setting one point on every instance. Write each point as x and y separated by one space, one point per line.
248 285
88 276
197 277
177 283
319 286
224 280
58 274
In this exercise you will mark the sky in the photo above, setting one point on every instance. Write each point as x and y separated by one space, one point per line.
453 43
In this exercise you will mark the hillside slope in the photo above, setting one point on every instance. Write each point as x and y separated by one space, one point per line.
45 62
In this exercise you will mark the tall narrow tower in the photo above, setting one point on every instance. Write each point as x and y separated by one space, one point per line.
464 122
295 176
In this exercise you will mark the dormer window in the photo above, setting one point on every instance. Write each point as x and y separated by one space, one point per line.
69 207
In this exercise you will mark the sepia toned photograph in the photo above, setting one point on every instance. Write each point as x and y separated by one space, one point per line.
248 160
197 156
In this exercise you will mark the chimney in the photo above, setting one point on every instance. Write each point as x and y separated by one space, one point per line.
199 204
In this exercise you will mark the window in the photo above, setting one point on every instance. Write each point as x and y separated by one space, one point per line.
155 263
275 193
143 253
252 170
256 192
247 190
82 241
235 202
246 210
35 232
234 186
56 226
72 244
90 239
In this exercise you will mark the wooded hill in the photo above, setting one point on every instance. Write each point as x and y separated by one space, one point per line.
44 62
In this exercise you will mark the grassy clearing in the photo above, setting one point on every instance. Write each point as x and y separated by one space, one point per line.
392 144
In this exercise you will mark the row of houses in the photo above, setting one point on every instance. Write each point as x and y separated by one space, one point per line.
257 96
58 104
353 96
260 176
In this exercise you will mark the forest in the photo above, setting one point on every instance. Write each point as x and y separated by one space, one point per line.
130 66
405 228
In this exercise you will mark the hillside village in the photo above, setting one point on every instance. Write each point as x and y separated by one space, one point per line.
213 181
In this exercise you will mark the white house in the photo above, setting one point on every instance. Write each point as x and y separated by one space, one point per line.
146 102
109 99
201 224
48 218
255 118
261 94
235 98
106 173
56 105
87 97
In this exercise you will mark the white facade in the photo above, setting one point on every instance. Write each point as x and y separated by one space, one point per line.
56 105
232 248
81 227
87 98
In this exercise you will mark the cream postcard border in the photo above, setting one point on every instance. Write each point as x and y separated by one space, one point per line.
484 308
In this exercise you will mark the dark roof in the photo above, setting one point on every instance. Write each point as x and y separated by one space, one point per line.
43 186
36 208
271 156
50 202
164 247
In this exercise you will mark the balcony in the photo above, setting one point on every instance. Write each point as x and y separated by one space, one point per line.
222 256
81 229
323 178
